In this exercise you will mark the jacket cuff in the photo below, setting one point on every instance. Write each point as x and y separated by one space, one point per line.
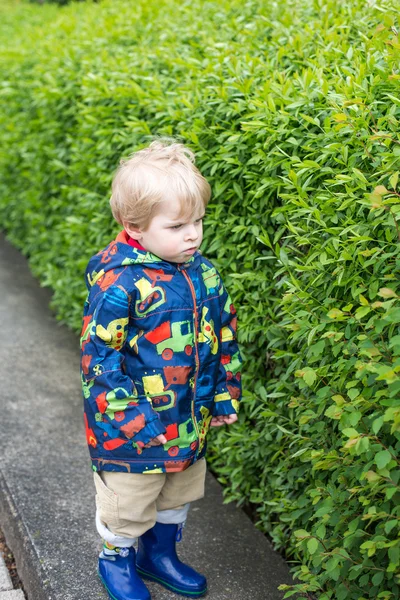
225 407
151 430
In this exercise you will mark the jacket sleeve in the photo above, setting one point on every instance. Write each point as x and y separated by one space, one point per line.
229 388
112 395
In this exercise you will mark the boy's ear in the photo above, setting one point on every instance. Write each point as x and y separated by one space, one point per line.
134 232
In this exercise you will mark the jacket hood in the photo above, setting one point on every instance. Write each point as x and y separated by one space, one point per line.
119 254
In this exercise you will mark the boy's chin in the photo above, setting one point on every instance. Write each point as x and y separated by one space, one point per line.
181 258
177 258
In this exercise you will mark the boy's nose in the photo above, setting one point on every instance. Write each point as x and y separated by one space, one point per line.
192 233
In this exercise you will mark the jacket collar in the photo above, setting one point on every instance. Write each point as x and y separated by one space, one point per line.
137 254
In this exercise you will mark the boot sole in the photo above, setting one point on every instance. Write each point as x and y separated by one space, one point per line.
169 586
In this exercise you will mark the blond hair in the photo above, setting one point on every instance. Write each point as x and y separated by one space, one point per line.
150 176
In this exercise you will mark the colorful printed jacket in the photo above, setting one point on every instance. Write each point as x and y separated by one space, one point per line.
159 355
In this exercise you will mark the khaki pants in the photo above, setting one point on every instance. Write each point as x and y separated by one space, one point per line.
128 504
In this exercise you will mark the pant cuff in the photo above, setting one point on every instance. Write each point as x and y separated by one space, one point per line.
110 537
173 516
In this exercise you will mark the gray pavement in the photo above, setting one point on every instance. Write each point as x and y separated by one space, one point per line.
46 491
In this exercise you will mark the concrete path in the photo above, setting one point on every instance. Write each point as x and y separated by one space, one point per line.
46 491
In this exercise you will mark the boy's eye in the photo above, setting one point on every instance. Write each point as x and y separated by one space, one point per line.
181 225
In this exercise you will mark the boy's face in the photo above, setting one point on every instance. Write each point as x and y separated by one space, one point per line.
168 236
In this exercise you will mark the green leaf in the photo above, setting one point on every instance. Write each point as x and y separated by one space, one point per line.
238 190
394 179
390 492
334 412
389 525
321 532
362 445
382 458
338 399
283 257
312 545
362 311
301 533
394 554
353 417
350 432
335 313
377 424
353 393
310 377
378 578
394 341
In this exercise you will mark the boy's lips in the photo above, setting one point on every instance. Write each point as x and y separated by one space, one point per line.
191 250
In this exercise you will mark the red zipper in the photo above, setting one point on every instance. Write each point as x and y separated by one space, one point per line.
186 276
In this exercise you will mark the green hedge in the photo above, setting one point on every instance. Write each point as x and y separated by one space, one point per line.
60 2
293 111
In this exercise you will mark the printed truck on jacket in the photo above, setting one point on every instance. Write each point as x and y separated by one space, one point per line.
159 355
169 338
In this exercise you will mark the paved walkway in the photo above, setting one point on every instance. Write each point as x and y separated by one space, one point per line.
46 491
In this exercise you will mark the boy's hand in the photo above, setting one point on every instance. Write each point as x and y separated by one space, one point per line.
223 420
157 441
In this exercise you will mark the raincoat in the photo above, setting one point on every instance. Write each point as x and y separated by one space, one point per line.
159 356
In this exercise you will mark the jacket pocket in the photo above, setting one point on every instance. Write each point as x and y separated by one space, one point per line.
106 502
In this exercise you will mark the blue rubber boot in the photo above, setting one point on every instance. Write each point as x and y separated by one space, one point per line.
157 560
119 577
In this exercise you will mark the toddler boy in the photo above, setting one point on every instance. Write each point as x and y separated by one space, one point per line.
160 365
